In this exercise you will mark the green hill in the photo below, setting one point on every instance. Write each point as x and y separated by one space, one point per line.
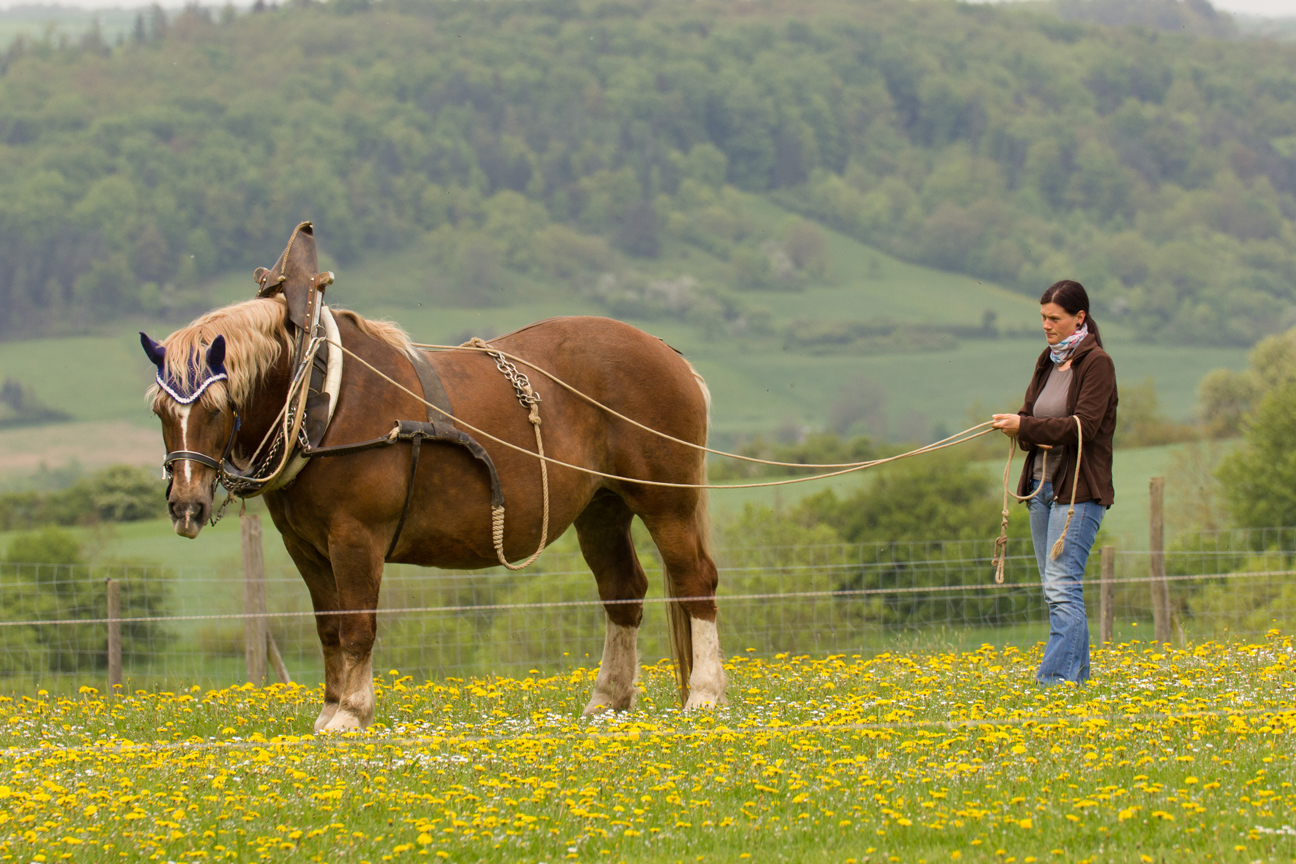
569 137
759 383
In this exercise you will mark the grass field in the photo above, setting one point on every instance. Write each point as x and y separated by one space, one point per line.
1167 755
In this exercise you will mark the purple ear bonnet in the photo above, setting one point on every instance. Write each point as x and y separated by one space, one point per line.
205 370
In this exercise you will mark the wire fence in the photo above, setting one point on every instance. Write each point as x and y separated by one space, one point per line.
188 625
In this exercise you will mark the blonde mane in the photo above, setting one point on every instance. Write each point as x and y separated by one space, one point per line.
256 336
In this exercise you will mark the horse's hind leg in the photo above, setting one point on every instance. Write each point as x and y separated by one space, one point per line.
691 574
604 532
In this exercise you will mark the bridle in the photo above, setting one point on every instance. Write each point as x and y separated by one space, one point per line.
220 466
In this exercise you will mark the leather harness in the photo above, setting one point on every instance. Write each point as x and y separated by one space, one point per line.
294 276
438 427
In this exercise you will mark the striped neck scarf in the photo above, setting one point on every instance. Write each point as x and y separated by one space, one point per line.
1061 352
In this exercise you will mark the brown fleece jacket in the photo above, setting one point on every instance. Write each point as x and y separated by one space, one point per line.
1092 398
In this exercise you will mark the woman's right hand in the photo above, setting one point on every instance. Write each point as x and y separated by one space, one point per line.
1009 424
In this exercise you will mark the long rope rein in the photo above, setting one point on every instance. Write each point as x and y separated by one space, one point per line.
966 435
1001 543
476 344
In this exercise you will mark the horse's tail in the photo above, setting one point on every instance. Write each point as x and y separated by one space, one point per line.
681 630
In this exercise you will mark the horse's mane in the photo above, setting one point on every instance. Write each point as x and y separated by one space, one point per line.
256 335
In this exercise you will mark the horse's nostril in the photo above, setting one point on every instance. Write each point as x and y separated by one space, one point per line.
191 510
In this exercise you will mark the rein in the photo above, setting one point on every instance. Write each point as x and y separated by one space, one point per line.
259 477
966 435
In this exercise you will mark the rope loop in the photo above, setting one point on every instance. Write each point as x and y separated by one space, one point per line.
1001 543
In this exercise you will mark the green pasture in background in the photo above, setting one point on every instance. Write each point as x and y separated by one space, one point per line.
757 384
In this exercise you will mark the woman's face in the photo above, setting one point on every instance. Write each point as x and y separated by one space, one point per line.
1059 323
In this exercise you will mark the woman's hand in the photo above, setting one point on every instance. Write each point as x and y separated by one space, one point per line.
1009 424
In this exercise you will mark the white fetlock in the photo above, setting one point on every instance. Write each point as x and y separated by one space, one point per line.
355 710
614 688
597 705
325 715
707 683
343 721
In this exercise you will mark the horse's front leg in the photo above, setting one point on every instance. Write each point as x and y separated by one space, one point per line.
317 573
357 573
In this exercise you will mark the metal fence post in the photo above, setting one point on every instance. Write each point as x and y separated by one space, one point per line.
1156 559
114 637
1106 606
254 624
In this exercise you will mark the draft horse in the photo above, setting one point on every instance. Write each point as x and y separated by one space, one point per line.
224 380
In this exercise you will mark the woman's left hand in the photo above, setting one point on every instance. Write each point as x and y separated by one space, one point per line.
1009 424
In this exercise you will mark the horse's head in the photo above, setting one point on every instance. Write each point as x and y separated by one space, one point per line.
198 426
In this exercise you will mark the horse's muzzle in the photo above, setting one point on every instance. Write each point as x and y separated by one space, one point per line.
188 517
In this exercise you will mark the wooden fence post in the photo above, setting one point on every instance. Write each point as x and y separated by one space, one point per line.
114 637
276 660
254 624
1106 605
1156 560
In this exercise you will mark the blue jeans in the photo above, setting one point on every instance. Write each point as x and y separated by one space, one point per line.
1066 656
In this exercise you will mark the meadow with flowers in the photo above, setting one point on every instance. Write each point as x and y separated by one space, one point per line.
918 758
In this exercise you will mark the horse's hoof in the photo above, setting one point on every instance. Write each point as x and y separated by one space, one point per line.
343 721
325 715
697 702
604 702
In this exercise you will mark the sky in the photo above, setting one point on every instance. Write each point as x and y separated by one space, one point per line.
1265 8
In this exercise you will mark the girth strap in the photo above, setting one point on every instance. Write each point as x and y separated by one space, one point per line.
416 432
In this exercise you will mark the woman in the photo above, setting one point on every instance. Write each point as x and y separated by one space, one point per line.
1074 378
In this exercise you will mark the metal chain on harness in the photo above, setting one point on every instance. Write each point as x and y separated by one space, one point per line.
530 400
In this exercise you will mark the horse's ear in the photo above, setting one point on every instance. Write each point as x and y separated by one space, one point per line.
259 275
155 351
216 355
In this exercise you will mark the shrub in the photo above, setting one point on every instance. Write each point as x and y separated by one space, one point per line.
43 578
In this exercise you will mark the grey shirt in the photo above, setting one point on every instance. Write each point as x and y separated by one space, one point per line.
1051 403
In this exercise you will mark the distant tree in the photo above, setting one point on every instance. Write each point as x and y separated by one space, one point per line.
157 23
1259 477
938 497
639 234
1227 396
808 248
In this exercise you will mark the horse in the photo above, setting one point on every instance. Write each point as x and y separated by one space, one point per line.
338 516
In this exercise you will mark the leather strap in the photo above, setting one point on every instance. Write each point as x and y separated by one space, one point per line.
317 403
409 495
433 390
416 432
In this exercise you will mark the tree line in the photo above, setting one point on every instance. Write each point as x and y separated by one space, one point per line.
1007 143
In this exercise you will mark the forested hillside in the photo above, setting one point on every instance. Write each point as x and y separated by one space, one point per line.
551 136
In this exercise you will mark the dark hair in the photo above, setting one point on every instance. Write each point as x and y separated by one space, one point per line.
1072 296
